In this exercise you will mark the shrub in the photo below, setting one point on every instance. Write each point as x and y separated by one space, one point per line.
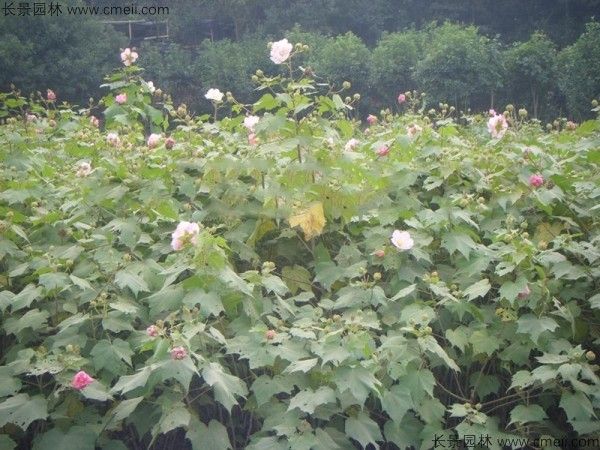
393 63
459 66
531 71
343 58
67 53
579 71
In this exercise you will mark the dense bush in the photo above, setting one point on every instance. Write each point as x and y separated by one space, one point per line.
459 66
66 53
343 58
579 71
393 64
531 72
289 281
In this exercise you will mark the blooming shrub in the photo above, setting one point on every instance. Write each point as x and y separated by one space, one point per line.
286 293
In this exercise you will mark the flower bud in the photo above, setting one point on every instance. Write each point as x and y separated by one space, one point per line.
510 108
356 96
260 73
522 113
346 85
594 103
377 276
590 355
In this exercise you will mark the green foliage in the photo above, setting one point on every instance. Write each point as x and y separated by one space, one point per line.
343 58
531 71
289 318
579 71
393 63
66 53
459 66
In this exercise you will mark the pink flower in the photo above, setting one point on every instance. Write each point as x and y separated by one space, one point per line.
178 353
252 139
379 253
402 240
270 334
152 331
153 140
250 122
185 232
401 98
121 98
536 180
94 121
497 126
383 150
524 293
113 139
571 125
371 119
128 57
30 117
50 95
84 169
413 130
169 143
280 51
81 380
492 112
351 144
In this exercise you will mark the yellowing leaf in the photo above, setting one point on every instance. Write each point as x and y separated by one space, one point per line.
311 221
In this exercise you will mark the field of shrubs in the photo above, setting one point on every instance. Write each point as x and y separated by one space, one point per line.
289 275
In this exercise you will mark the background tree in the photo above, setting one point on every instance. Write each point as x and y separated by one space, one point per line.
579 71
459 66
69 54
531 71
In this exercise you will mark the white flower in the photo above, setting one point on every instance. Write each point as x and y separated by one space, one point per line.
215 95
250 122
128 57
497 126
153 140
351 144
151 86
113 139
280 51
402 240
84 169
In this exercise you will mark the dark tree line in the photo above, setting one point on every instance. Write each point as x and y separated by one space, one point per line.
471 53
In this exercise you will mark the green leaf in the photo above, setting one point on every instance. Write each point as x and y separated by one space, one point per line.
108 355
396 402
301 365
214 436
534 326
34 319
429 344
364 430
225 386
265 387
359 381
478 289
21 410
123 410
524 414
308 400
134 282
176 416
130 382
460 242
75 438
297 278
96 391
